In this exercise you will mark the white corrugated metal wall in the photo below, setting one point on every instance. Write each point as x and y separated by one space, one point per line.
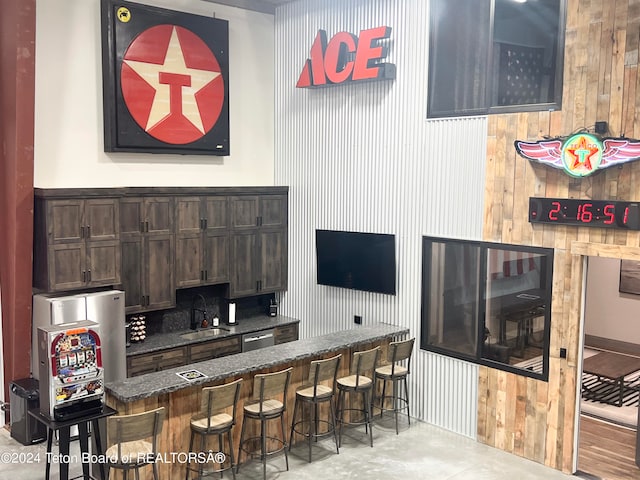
363 157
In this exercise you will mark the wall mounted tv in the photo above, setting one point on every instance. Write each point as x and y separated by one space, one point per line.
360 261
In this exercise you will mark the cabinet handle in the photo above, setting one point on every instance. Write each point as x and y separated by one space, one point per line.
88 231
142 300
205 223
142 227
202 224
201 274
147 300
206 274
146 226
88 275
257 285
84 276
82 231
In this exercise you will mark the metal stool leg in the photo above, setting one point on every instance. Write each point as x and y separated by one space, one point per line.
244 423
334 424
406 396
284 441
293 422
233 462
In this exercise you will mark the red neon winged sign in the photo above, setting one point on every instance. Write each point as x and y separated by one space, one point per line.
582 154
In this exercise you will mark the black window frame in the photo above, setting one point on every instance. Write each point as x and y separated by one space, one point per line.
490 79
481 297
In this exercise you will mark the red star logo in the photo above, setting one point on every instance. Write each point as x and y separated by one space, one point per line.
172 84
582 153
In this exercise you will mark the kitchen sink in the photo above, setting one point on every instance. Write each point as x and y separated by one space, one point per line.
209 332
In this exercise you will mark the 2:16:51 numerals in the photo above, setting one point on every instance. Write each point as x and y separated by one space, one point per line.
585 213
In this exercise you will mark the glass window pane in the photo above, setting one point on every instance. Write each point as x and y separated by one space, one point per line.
458 56
452 298
525 52
516 304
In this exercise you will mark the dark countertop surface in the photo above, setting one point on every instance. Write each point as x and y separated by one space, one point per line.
166 381
163 341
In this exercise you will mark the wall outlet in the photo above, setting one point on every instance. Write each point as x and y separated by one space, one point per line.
357 319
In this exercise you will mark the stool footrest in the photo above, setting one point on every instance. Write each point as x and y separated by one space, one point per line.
258 453
329 431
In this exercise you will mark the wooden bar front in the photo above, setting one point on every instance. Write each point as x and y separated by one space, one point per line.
182 404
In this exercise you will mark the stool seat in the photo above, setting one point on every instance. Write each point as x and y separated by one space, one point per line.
130 451
352 381
322 391
270 406
386 371
219 421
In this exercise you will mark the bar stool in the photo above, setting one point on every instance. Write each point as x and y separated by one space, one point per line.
314 393
134 441
362 363
265 406
397 374
213 419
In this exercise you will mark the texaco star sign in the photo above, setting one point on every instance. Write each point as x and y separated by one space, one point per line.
173 100
170 81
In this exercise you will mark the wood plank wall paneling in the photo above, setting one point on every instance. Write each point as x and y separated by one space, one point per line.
600 84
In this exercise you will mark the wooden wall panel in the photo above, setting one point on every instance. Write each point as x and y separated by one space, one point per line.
601 78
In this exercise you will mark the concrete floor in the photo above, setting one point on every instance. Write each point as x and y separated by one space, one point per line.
420 451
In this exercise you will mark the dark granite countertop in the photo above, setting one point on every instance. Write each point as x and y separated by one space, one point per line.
163 341
166 381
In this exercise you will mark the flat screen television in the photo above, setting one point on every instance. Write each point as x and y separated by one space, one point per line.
360 261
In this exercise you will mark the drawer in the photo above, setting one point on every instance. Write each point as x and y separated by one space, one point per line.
286 333
214 349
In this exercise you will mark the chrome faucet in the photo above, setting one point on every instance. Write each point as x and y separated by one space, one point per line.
203 310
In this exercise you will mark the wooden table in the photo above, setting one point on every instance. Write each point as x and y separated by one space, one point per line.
612 367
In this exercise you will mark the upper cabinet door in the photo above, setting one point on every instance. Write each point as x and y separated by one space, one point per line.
101 219
189 218
159 215
65 221
244 212
273 211
216 214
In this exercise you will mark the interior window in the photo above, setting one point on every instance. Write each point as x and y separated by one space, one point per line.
495 56
488 303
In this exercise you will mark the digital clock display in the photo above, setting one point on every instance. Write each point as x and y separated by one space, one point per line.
586 213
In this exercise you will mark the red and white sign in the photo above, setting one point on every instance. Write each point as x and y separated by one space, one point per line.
347 58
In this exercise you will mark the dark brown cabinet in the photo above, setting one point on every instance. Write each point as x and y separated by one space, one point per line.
156 361
148 251
76 243
202 240
258 244
285 333
150 241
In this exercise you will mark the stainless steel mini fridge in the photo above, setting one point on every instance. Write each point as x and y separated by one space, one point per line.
106 308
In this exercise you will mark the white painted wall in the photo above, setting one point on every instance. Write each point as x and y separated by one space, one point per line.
69 146
608 312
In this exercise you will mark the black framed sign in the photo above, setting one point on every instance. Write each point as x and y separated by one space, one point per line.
165 80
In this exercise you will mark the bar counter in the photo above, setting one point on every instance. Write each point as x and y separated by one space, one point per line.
181 398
